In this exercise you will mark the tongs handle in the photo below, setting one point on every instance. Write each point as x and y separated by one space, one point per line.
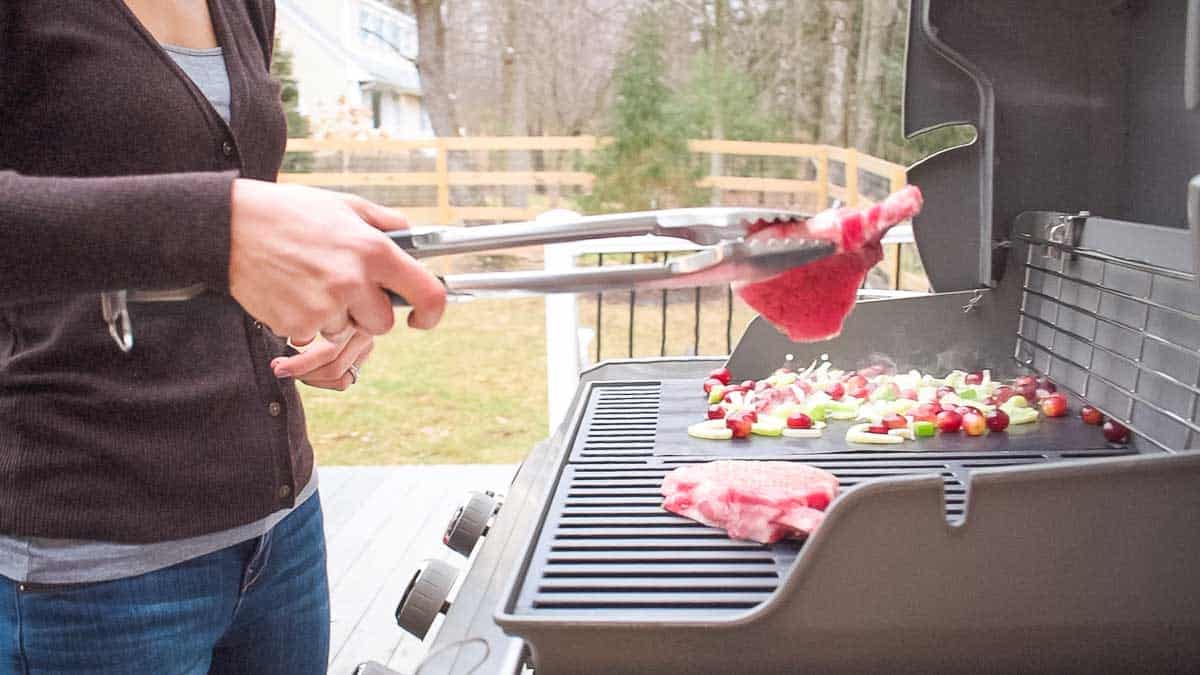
704 226
583 280
451 240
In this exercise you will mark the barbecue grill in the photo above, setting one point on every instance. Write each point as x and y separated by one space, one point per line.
1059 244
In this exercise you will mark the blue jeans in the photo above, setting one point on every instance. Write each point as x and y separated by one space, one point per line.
260 607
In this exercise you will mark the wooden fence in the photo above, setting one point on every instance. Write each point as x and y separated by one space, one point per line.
821 162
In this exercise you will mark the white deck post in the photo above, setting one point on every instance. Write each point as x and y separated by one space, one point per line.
562 337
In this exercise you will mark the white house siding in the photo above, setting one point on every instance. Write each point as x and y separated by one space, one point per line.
334 67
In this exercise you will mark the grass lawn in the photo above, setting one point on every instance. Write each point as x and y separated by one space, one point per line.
474 390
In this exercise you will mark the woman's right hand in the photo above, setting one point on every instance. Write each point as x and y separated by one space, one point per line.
306 261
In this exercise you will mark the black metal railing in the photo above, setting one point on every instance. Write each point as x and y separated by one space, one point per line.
702 312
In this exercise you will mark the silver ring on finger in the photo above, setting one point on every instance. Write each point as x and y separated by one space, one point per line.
353 372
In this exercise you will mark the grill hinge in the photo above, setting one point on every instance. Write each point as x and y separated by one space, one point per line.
1066 232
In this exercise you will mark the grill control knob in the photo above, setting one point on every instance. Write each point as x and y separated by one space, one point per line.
425 596
470 522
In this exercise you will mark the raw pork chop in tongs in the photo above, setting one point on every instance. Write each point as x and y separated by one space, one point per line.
809 303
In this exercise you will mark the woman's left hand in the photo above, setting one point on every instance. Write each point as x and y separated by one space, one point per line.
327 365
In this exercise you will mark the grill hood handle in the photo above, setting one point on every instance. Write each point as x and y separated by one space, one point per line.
1193 211
1191 58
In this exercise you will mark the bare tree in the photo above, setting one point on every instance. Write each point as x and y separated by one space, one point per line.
879 21
437 95
826 68
837 73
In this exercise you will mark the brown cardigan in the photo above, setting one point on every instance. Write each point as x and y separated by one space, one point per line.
115 173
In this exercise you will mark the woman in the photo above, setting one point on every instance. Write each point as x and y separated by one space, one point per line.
158 507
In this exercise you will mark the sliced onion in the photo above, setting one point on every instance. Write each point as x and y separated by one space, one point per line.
712 430
802 433
859 434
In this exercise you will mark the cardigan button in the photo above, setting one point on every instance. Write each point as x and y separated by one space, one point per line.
227 149
284 491
274 409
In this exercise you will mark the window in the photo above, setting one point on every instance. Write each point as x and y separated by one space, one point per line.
378 31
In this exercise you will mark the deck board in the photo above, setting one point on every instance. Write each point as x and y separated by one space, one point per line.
380 523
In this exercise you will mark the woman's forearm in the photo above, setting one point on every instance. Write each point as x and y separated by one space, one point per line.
71 235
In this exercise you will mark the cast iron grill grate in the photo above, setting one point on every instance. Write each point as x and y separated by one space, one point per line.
607 548
620 425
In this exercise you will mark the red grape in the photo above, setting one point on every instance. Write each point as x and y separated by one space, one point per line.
739 423
799 421
715 412
1115 432
997 420
836 391
894 421
721 374
949 421
1091 415
710 383
877 429
1054 405
973 423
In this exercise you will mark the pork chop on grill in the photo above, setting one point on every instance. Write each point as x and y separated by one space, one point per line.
810 303
759 501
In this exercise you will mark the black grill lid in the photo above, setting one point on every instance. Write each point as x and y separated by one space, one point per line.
1078 106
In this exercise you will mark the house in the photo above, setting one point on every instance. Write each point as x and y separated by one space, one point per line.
355 65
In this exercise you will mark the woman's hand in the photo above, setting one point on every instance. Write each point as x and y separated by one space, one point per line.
306 261
327 365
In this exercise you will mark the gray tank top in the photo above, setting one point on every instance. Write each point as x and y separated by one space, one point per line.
69 561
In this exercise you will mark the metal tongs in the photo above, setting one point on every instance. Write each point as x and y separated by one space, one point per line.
729 256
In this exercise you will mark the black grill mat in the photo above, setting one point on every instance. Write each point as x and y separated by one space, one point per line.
638 422
607 548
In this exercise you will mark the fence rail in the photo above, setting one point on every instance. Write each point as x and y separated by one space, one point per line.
434 169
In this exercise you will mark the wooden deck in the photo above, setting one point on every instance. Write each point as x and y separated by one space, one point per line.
380 523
